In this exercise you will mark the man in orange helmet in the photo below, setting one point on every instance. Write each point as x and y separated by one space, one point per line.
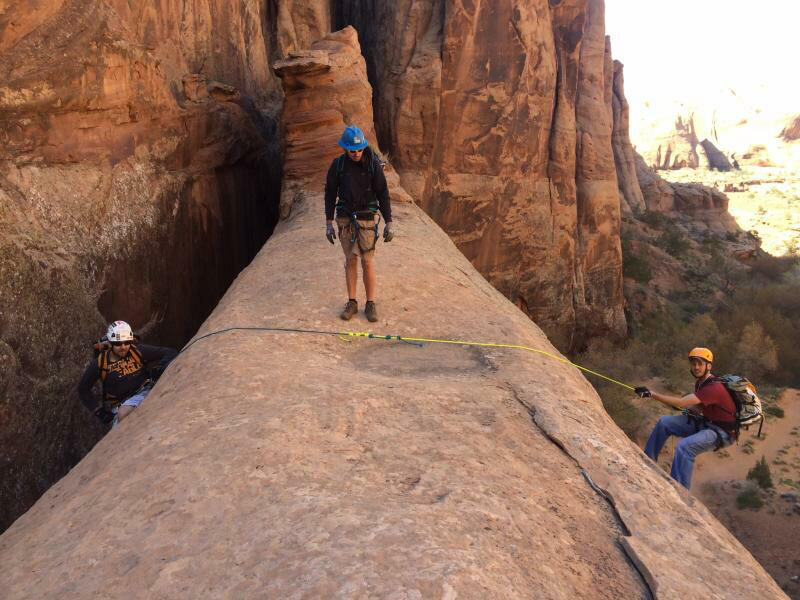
709 422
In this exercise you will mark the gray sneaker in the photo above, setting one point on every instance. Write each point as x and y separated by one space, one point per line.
371 311
350 309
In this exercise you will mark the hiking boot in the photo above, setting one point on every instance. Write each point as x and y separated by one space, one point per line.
371 311
350 309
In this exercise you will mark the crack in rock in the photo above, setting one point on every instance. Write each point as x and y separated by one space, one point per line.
636 562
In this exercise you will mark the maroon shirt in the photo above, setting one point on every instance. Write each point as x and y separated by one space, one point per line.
716 401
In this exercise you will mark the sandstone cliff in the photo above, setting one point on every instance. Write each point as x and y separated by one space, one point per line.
625 157
140 168
139 172
498 118
298 465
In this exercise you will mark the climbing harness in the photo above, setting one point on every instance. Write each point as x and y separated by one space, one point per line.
355 227
408 340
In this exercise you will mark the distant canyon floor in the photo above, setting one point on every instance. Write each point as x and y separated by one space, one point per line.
762 199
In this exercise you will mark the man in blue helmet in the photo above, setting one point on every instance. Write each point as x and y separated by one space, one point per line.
356 178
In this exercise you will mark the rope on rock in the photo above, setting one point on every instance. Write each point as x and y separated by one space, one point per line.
410 340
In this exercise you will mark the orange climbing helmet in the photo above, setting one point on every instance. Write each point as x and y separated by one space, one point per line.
703 353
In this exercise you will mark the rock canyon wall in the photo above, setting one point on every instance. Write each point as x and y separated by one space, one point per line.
641 189
498 119
139 172
141 168
367 468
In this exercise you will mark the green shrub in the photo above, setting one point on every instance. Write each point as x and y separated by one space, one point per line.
637 268
634 265
775 307
749 499
760 474
673 242
772 268
753 333
655 219
775 411
619 406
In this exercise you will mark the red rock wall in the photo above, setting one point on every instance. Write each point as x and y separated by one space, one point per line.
139 172
498 118
631 198
326 88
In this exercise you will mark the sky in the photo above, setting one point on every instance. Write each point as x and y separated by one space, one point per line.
685 48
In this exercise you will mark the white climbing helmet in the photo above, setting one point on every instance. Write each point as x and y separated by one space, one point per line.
119 331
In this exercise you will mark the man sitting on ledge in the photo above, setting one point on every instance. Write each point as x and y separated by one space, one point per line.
709 422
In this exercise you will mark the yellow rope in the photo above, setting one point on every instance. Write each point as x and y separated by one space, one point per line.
486 345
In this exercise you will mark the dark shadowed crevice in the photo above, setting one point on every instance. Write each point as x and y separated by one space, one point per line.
165 278
174 281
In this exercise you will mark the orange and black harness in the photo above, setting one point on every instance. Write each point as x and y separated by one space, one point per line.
105 365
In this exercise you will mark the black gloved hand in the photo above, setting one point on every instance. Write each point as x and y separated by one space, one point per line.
642 392
330 233
388 232
104 415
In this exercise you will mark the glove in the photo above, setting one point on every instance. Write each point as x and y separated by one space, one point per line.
330 233
642 392
104 415
388 232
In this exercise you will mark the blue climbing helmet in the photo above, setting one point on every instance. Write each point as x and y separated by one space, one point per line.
353 139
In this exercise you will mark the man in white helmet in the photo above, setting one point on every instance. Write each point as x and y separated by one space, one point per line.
122 366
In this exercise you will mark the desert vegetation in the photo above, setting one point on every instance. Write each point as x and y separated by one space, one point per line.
762 199
747 312
749 498
760 473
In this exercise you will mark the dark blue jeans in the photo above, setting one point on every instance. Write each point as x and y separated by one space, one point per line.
693 443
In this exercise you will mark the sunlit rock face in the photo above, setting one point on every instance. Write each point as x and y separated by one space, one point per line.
436 471
139 172
631 198
499 119
791 132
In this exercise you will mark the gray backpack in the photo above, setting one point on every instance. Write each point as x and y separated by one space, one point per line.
748 404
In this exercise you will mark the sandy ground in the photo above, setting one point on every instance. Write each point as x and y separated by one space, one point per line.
771 534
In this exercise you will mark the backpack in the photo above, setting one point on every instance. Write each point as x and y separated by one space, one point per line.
747 402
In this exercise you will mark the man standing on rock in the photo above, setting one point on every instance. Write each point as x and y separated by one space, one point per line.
356 178
122 366
709 422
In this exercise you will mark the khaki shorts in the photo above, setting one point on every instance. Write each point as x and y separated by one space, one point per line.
364 243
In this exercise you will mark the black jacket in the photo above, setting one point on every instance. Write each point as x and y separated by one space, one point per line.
125 376
361 187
